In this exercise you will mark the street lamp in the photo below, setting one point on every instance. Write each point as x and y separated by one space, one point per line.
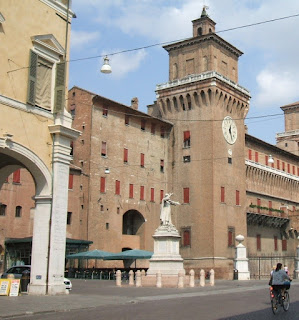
271 160
106 68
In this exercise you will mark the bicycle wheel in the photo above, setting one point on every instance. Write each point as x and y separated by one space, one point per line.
274 305
286 301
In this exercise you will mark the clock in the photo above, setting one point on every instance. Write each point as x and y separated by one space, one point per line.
229 129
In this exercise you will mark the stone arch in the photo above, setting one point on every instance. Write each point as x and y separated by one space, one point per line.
203 98
182 103
189 103
168 105
175 103
196 99
14 156
132 222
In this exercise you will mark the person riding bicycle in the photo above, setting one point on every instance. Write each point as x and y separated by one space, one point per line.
279 277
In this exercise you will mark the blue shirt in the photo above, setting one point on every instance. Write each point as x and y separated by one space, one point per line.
279 277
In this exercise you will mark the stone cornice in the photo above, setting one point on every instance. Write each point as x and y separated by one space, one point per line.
59 7
25 107
292 133
200 77
64 131
274 171
209 37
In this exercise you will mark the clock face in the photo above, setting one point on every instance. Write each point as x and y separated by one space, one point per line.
229 130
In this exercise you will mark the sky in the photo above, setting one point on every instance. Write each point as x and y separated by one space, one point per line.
268 68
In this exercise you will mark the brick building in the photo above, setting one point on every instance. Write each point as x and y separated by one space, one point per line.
192 142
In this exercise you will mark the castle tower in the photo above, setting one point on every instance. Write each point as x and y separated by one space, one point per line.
207 107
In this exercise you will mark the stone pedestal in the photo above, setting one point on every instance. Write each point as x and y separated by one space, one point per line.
166 258
241 261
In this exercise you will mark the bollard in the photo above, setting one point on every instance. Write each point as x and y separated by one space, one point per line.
212 277
131 278
118 278
142 273
191 280
202 280
181 278
138 279
159 280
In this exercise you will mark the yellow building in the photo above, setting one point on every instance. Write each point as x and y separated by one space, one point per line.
35 129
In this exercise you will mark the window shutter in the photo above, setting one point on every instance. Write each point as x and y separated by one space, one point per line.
32 78
152 194
141 192
237 197
186 238
59 101
142 159
17 176
186 135
186 195
222 194
131 191
103 183
71 181
161 195
117 187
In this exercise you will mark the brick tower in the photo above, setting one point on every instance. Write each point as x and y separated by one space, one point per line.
207 107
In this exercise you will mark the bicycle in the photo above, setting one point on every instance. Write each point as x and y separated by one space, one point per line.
277 299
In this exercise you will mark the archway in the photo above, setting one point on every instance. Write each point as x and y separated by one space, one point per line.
132 222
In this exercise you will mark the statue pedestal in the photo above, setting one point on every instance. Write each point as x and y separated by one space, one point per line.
166 258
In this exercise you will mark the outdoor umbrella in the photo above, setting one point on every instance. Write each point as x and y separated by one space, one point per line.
130 255
94 254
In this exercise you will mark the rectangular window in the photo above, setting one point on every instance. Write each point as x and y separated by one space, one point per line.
186 158
142 160
127 120
289 171
231 237
104 149
186 195
17 176
141 192
162 132
258 202
161 195
186 237
258 242
270 204
117 187
71 181
131 191
18 212
267 160
249 154
187 139
105 112
222 194
103 184
256 156
294 171
161 165
153 128
107 225
283 166
143 123
69 218
275 243
126 152
237 197
297 171
2 209
229 160
284 244
278 164
152 195
102 207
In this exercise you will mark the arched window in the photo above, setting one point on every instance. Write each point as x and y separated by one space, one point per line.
199 31
132 221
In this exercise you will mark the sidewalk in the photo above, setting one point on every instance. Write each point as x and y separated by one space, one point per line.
95 293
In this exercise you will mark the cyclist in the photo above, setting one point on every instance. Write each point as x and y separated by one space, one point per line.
279 277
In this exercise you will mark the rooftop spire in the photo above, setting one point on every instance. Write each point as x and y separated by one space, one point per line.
204 12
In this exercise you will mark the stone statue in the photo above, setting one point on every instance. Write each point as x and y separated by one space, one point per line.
165 215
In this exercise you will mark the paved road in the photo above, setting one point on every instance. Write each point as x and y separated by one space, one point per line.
236 302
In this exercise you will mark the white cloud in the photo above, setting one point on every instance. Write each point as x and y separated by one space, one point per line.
276 88
122 64
82 38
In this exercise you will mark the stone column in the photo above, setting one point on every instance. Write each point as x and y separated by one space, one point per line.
62 134
40 246
241 261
